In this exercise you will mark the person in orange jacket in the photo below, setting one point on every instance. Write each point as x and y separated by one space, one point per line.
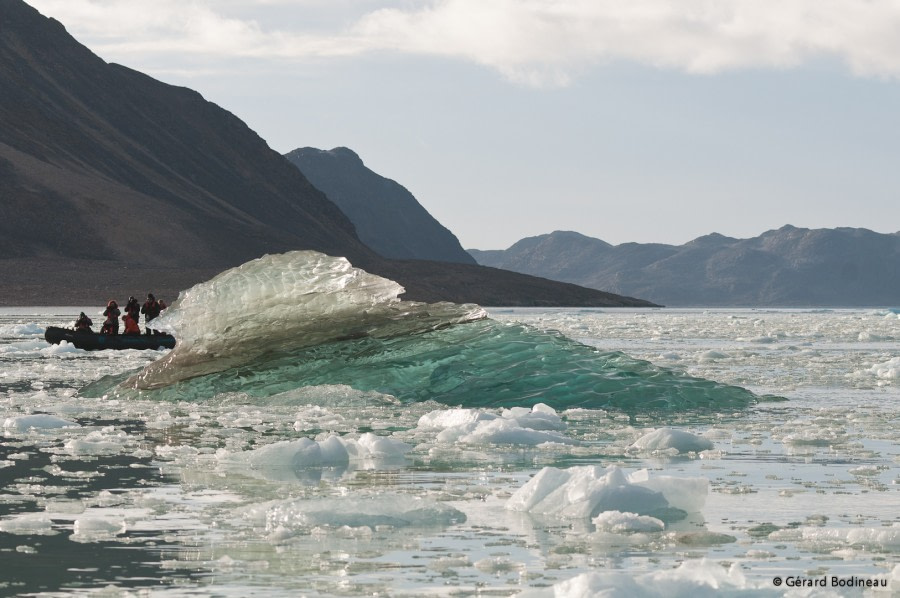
131 325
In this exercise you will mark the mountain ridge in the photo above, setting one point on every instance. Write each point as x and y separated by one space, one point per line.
387 217
786 267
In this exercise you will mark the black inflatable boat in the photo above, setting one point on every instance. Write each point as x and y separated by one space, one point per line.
93 341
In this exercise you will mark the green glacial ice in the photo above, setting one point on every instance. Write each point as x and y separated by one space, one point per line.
478 364
304 319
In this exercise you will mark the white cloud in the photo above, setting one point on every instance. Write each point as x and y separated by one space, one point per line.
537 42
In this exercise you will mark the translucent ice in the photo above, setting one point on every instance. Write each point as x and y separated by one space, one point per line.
582 492
285 301
282 460
670 439
38 421
315 320
387 509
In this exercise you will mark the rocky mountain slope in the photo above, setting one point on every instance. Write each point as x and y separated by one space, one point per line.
113 183
388 218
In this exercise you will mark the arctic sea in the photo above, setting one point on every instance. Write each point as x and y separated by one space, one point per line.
332 490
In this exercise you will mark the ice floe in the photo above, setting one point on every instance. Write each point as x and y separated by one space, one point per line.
516 426
617 522
282 460
696 579
387 509
671 440
38 421
588 491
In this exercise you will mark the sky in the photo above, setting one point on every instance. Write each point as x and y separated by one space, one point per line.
626 120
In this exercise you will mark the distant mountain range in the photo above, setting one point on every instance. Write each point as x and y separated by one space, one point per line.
388 218
113 183
785 267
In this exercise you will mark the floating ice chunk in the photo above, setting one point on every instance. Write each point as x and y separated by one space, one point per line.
93 529
815 436
453 418
539 417
867 336
824 539
30 329
504 431
281 460
394 510
372 446
867 470
28 524
760 340
498 564
519 425
32 346
617 522
582 492
693 578
711 355
62 348
38 421
888 370
99 442
449 563
316 416
667 438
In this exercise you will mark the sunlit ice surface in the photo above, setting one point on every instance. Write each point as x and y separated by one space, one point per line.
329 489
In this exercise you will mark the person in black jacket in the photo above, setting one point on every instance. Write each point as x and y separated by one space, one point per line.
150 309
111 325
133 308
83 323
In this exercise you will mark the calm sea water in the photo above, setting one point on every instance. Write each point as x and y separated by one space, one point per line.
235 495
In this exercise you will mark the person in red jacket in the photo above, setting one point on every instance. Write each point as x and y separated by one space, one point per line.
111 325
131 325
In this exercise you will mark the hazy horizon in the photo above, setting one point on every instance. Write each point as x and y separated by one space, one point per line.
627 123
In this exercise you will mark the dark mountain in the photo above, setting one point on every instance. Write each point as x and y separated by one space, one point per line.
113 183
388 218
785 267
